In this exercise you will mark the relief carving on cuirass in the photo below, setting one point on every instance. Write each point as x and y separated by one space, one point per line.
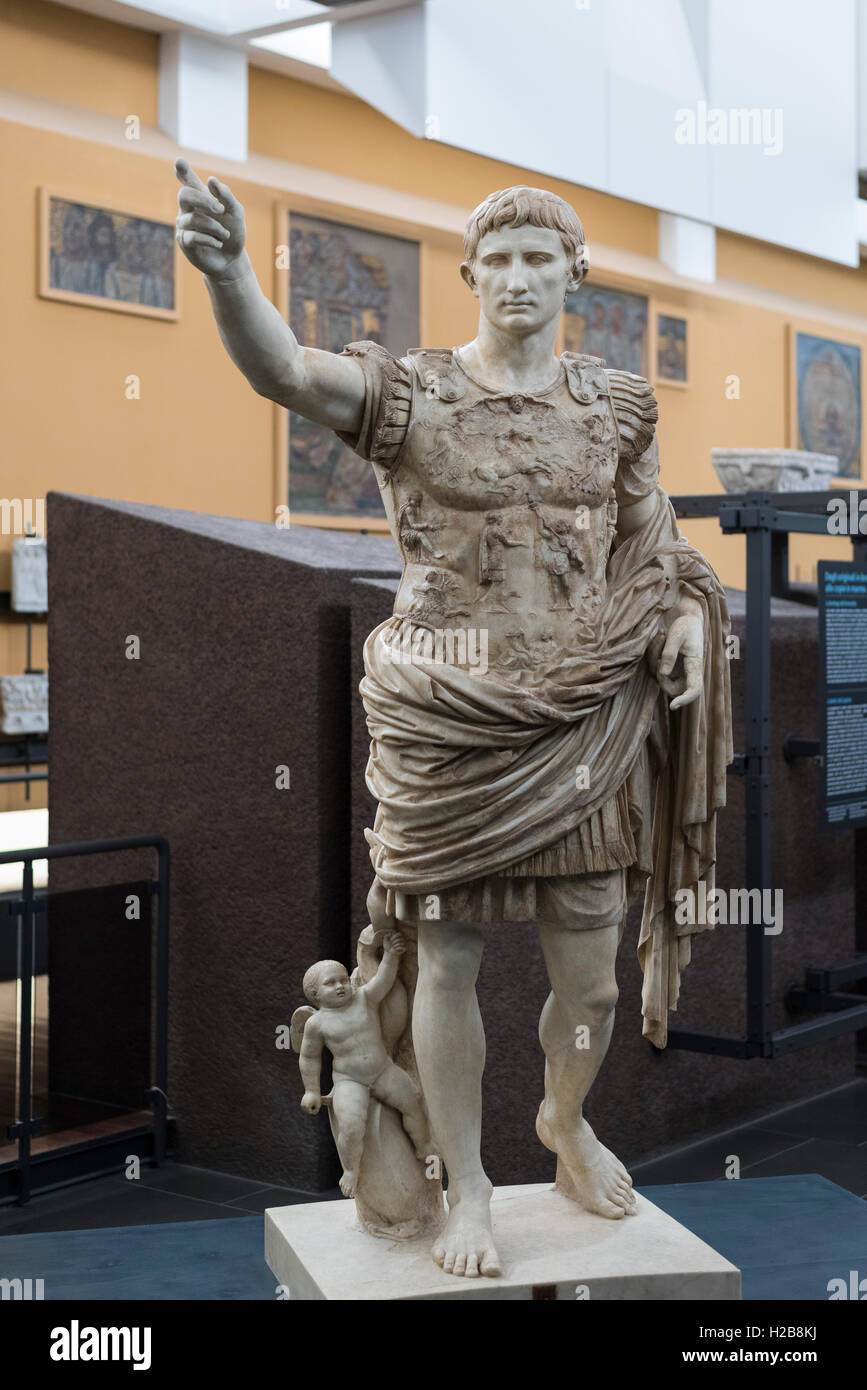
599 424
434 598
416 535
497 450
559 554
499 534
440 378
531 657
487 497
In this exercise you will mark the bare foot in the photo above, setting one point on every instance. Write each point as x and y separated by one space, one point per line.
466 1245
348 1183
600 1182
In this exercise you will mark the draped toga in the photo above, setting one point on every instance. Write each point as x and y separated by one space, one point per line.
520 744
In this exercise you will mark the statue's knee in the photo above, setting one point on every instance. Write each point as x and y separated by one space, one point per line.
448 964
441 975
591 1009
352 1131
600 1004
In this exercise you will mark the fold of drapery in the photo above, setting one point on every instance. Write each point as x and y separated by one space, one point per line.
692 750
475 772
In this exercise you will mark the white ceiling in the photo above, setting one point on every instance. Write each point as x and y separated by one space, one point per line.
231 18
590 91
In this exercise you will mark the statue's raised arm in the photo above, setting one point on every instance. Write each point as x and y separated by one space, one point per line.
211 232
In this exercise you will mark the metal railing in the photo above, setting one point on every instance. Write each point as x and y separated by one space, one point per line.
25 907
767 519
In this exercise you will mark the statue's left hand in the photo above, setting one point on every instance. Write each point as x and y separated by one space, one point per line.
684 640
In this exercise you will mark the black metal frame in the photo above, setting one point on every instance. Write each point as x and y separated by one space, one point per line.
27 750
767 519
25 909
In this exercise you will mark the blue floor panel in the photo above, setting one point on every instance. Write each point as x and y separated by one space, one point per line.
789 1236
174 1260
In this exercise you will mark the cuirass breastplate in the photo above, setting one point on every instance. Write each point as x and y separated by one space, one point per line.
503 507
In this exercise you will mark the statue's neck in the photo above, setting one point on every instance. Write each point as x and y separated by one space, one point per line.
512 362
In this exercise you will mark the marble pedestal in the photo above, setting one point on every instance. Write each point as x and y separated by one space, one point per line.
551 1249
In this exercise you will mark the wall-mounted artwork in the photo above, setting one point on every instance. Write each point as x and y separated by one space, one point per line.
345 284
826 399
107 259
608 323
671 341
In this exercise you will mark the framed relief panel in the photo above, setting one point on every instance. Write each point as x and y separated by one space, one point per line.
671 350
825 392
107 258
609 323
346 283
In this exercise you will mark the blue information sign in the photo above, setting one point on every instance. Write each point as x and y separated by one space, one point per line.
843 669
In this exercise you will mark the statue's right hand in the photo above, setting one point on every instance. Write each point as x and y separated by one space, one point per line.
210 224
311 1102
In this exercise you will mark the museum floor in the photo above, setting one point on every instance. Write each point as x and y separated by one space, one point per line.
168 1235
826 1135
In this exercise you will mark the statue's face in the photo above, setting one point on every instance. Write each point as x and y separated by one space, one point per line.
334 990
520 276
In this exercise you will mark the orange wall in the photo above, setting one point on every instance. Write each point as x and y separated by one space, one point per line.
65 55
199 437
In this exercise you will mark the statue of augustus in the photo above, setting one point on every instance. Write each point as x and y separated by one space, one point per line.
583 762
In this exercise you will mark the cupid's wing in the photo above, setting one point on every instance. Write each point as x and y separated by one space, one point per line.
297 1025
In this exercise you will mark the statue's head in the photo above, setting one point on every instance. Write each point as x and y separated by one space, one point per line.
327 985
525 251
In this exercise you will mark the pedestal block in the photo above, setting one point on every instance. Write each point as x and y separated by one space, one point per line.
550 1248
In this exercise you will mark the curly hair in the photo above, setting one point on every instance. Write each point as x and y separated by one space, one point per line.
312 977
520 205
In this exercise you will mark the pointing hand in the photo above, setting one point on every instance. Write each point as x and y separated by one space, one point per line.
210 224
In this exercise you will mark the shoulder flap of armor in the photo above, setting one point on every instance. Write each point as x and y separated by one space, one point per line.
437 373
585 376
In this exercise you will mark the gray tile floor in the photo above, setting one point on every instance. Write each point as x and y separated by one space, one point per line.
827 1135
173 1192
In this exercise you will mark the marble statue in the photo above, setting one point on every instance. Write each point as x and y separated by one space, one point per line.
387 1166
586 764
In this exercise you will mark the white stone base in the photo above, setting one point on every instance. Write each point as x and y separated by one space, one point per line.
548 1245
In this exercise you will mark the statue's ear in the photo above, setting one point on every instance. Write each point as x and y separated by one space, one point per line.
580 267
468 277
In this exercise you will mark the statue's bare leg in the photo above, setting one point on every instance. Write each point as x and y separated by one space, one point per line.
350 1103
575 1030
449 1045
395 1088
